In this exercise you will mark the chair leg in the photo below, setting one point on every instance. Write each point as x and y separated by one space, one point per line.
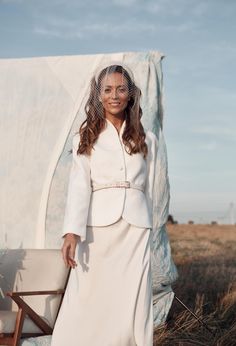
6 340
18 327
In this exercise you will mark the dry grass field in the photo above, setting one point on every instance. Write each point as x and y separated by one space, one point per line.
206 259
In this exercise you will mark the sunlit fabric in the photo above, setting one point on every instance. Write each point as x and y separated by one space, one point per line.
42 106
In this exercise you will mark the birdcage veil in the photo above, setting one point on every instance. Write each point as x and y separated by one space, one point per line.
113 90
112 64
101 88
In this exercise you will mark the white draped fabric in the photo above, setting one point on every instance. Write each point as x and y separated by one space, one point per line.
42 105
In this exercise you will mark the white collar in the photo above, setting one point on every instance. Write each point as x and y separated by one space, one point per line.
113 128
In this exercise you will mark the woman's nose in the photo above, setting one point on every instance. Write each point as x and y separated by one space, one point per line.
114 94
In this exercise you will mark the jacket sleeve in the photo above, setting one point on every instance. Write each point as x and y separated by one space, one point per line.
157 192
78 194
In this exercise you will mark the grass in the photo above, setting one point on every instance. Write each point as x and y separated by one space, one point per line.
205 258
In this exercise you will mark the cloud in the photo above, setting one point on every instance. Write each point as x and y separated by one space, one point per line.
185 26
215 131
210 146
56 33
63 28
125 3
12 1
67 19
180 8
63 12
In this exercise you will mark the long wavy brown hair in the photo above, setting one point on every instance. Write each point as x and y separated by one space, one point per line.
133 135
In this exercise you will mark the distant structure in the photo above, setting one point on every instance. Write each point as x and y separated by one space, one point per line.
226 216
232 213
229 214
214 223
171 220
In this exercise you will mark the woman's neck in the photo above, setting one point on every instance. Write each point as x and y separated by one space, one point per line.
116 121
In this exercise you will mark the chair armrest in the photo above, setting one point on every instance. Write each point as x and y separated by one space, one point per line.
33 293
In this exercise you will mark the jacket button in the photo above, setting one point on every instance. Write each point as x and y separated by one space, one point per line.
121 168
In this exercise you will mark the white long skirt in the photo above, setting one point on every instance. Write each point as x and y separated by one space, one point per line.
108 300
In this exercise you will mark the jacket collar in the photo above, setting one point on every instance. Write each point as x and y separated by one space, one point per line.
112 127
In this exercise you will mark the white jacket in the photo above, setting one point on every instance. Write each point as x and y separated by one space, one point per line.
109 163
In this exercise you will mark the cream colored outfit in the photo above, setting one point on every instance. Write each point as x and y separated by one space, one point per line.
108 301
109 163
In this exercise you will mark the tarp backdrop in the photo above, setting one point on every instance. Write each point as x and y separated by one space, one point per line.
42 106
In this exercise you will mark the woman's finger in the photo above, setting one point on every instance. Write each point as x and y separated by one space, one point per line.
68 250
72 263
72 250
72 253
65 252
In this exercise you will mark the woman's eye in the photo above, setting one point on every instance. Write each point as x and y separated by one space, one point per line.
123 90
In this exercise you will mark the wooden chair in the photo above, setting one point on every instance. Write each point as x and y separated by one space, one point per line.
34 283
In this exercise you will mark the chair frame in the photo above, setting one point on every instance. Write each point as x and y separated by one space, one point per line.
13 339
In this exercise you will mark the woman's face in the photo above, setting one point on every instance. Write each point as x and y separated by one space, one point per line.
114 94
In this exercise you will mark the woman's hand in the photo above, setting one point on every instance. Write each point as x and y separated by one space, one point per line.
68 249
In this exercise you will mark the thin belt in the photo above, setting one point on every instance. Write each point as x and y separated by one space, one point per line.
125 184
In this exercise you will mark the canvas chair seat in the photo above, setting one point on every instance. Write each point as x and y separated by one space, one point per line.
8 321
33 280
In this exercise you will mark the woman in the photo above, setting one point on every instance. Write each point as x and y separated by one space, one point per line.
108 220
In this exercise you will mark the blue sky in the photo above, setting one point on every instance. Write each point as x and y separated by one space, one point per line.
198 40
